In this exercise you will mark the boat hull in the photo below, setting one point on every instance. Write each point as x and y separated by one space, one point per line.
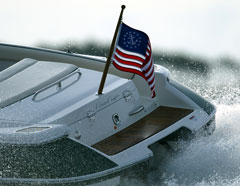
60 132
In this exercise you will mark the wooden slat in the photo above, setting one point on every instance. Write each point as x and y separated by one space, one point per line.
153 123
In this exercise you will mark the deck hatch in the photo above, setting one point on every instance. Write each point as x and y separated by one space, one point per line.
153 123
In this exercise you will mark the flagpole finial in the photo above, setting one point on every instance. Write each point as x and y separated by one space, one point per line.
123 6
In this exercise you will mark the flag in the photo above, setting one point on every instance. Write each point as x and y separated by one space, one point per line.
133 54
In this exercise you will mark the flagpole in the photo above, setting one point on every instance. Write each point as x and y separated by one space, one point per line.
110 52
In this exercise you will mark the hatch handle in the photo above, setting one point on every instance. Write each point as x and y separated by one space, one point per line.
135 111
116 119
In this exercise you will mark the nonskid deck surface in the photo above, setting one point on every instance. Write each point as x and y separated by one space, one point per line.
153 123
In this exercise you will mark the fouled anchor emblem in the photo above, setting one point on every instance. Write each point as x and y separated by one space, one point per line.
132 40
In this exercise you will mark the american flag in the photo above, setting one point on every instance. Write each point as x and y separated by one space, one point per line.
133 54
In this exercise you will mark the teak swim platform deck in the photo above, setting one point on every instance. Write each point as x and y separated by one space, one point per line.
153 123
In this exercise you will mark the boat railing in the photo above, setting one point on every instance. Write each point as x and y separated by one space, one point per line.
59 85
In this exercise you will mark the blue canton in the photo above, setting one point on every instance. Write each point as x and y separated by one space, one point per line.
133 40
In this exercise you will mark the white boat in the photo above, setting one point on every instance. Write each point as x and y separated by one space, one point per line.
55 128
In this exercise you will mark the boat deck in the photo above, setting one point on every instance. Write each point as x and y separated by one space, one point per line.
153 123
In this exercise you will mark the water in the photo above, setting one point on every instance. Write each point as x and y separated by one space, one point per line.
204 161
212 160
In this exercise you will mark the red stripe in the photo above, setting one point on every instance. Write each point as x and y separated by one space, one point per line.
153 94
148 57
127 62
127 69
140 72
149 50
152 89
150 75
150 66
129 56
151 82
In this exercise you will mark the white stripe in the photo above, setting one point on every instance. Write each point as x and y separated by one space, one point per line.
149 72
127 59
153 90
151 78
147 53
131 53
147 65
148 47
126 66
153 84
